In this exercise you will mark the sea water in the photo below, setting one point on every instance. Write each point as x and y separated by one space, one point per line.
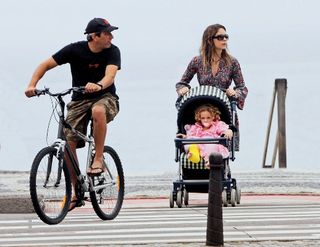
143 133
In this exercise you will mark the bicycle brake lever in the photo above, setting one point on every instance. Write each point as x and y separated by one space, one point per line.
79 89
39 92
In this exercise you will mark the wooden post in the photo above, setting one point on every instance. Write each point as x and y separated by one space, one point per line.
214 220
280 90
268 129
281 85
275 150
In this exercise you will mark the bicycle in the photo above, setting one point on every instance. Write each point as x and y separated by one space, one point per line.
50 183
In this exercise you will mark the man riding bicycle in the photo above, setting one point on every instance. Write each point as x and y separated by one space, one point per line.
94 64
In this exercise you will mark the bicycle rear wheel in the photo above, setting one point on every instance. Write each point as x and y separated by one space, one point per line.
50 186
107 201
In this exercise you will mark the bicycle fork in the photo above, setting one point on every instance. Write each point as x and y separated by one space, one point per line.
59 145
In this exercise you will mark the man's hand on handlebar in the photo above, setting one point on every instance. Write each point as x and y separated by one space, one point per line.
92 87
30 92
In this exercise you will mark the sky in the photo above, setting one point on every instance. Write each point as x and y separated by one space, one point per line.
271 39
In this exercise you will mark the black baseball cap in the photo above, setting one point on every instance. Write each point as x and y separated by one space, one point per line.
98 25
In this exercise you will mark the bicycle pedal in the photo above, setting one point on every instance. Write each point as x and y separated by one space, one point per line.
87 199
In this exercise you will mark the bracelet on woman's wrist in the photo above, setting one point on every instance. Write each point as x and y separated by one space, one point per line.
100 85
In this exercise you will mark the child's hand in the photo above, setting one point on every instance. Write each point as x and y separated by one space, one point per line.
228 134
181 135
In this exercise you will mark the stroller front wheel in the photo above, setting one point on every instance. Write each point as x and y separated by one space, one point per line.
179 199
171 200
233 197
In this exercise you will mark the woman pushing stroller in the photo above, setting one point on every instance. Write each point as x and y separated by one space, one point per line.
215 66
215 69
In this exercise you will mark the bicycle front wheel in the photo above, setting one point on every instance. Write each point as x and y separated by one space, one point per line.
108 192
50 186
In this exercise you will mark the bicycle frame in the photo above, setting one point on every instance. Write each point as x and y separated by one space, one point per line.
63 148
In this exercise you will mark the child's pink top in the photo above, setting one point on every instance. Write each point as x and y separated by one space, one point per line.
216 130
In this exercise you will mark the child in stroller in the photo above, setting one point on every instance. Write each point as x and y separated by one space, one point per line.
194 177
208 124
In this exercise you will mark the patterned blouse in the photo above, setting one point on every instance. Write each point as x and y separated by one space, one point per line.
222 79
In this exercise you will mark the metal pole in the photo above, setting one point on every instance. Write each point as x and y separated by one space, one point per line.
281 85
214 221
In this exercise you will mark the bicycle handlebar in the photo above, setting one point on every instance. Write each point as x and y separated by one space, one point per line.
44 91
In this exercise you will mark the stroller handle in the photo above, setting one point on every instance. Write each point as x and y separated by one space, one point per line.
183 141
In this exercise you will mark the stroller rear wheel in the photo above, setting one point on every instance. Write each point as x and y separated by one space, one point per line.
233 197
238 194
171 200
224 198
179 199
185 197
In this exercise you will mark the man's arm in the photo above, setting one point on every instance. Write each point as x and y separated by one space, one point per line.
38 74
106 81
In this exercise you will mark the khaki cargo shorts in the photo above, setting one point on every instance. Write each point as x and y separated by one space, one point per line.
79 114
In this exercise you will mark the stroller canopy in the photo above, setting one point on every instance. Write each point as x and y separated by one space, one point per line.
198 96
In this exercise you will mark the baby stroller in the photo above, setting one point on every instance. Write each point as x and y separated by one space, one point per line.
194 177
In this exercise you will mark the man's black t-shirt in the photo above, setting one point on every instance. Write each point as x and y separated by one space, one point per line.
87 66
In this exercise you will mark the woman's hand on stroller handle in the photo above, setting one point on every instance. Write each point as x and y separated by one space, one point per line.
180 135
182 90
230 92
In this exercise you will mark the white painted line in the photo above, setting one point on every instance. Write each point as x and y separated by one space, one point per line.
134 223
255 227
272 219
104 236
13 227
285 238
99 242
148 232
178 230
12 221
276 232
317 212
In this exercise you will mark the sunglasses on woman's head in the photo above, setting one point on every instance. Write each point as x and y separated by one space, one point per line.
221 37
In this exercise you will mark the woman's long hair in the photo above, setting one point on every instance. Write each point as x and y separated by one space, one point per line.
208 49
